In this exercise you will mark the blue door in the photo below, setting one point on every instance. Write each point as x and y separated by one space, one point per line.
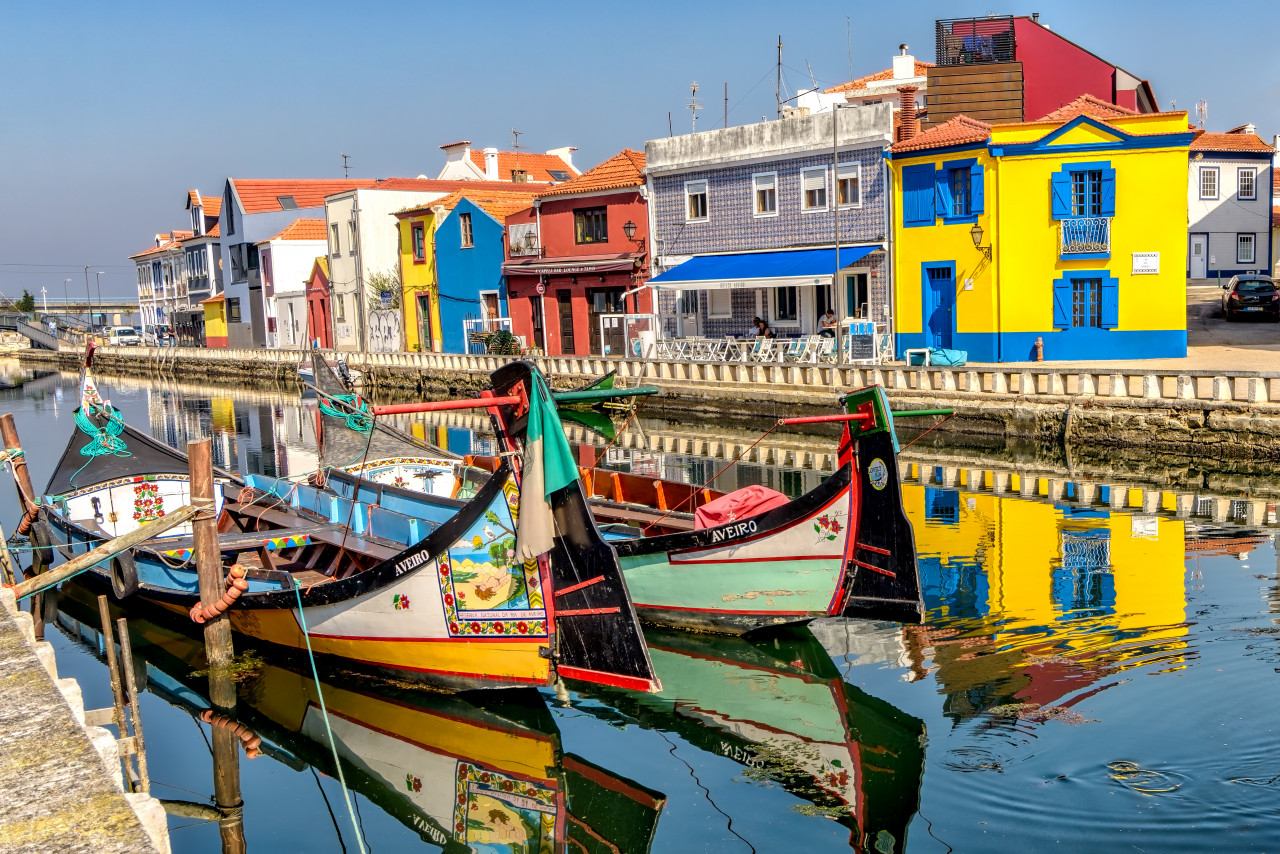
939 305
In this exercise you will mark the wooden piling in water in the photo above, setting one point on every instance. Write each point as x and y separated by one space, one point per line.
218 647
21 476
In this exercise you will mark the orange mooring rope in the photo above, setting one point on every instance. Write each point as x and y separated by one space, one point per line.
235 586
247 738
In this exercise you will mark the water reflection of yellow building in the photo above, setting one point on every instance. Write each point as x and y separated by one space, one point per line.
1025 591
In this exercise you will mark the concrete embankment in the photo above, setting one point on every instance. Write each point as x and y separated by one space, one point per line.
1214 414
61 780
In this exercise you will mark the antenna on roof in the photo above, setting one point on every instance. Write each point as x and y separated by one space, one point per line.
515 143
693 106
777 87
1202 111
346 170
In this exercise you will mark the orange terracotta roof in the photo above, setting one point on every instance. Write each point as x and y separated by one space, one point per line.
1207 141
301 229
214 230
1275 217
499 204
218 298
957 131
212 204
622 170
172 240
1087 105
435 185
261 195
922 69
536 166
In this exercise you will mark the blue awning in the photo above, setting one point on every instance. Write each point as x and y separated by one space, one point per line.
794 267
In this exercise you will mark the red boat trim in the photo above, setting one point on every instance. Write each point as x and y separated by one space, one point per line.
755 559
586 583
458 639
875 549
823 419
582 612
873 568
569 763
633 683
442 405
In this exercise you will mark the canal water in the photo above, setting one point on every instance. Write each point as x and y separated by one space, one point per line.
1092 674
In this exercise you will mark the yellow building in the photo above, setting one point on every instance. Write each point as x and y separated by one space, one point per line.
215 321
420 297
1071 229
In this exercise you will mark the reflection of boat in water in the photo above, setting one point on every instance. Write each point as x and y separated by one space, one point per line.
777 706
488 775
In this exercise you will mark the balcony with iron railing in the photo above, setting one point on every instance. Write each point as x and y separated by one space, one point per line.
1084 237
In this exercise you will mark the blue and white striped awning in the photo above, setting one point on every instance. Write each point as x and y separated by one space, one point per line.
791 267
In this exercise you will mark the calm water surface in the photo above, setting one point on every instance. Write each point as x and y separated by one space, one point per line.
1088 678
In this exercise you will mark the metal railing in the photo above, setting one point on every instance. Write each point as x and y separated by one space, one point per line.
1086 235
476 329
969 41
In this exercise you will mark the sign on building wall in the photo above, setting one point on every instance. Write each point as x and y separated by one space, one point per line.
1146 263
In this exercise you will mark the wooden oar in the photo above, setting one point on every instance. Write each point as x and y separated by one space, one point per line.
106 551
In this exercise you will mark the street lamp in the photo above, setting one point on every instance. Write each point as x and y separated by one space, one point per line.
629 229
66 300
88 297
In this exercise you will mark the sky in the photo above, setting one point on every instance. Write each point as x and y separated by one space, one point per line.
110 112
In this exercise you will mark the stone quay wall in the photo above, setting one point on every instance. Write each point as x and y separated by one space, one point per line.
1213 414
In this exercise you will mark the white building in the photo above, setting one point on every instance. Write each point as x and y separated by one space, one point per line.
286 260
464 164
1229 204
881 87
254 210
162 278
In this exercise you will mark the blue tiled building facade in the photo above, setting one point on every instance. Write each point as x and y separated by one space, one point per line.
735 165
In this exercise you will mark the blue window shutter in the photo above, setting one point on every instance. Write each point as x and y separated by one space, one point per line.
1108 192
1110 303
942 183
1062 303
917 195
975 189
1060 194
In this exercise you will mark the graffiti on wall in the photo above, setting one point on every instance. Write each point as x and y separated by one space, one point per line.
384 331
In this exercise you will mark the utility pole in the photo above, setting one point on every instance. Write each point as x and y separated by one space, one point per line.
44 295
726 104
777 86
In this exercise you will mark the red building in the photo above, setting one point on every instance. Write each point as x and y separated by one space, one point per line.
1012 68
580 253
319 323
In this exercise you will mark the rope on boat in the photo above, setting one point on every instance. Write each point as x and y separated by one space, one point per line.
236 585
324 713
103 441
248 739
355 410
927 432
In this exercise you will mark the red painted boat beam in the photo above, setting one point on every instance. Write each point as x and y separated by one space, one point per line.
820 419
443 405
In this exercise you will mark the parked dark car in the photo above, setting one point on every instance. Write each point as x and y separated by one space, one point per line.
1251 294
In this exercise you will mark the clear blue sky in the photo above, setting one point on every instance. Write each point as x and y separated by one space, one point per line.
112 111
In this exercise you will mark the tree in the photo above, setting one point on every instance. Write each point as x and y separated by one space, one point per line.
26 303
386 282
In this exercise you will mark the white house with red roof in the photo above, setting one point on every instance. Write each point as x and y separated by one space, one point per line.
286 259
1229 204
880 87
254 210
463 163
162 278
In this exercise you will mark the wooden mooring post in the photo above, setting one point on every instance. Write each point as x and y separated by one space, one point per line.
218 647
13 447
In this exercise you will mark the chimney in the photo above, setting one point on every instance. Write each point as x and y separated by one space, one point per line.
908 123
904 64
1035 17
491 164
566 154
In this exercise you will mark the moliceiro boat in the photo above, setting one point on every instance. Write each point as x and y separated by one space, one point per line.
483 593
749 560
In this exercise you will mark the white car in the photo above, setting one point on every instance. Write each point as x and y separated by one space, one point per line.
123 336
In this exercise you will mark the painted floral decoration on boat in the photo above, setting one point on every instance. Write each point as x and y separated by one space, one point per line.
399 481
401 602
826 527
147 503
497 812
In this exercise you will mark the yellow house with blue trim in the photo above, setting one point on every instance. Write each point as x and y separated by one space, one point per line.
1071 229
420 296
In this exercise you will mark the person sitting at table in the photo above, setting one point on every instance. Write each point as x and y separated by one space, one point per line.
828 322
762 329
